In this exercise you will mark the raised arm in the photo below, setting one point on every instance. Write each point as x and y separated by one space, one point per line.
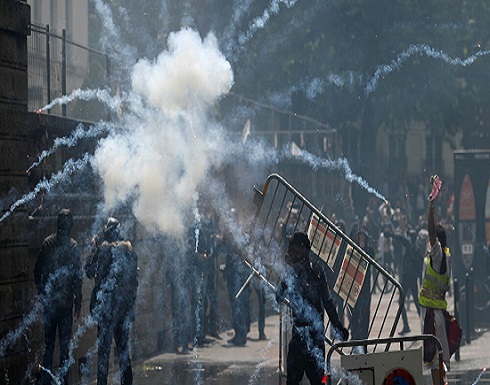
431 215
431 224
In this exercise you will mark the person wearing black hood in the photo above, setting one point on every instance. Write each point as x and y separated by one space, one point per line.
306 290
410 267
362 311
114 266
58 277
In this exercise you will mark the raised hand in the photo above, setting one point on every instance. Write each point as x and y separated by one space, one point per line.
436 184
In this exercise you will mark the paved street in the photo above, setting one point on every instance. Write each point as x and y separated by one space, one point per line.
257 362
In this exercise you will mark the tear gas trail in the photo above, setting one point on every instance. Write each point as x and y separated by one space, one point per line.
316 86
45 300
37 308
254 378
15 335
103 95
70 167
85 324
51 374
261 21
111 37
239 9
313 332
340 164
480 376
419 50
197 222
346 375
70 141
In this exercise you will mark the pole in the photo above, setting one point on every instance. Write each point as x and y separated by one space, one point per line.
456 310
280 346
48 65
472 300
467 309
63 70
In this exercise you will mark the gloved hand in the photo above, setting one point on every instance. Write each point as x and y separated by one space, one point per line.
344 333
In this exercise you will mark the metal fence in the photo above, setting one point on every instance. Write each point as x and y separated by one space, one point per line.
282 127
57 66
368 298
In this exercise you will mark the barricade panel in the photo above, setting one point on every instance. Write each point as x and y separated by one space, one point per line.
368 298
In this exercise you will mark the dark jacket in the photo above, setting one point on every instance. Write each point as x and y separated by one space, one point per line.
411 261
309 295
114 267
58 272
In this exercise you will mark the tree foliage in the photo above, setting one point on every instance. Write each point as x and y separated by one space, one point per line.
360 64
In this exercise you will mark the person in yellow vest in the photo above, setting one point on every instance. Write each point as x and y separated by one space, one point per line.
435 284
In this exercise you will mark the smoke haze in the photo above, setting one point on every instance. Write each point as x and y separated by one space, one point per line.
171 141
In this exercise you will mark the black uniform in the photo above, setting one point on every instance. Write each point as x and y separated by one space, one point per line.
409 273
235 274
177 275
307 290
203 293
58 277
361 314
113 265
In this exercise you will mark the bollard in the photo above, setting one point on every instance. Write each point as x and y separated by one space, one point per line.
467 309
456 311
471 302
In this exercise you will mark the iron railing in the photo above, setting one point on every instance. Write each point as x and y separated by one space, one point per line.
57 66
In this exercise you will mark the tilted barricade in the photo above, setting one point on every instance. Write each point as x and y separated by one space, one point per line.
368 298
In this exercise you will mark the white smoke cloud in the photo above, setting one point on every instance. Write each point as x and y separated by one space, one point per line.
191 73
167 150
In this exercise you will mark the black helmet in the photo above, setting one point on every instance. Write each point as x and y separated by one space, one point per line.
65 221
299 238
111 229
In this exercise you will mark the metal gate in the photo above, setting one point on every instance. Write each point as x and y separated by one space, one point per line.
368 298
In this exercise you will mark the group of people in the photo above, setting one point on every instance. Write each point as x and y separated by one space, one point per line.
397 237
307 291
195 301
58 274
112 264
420 257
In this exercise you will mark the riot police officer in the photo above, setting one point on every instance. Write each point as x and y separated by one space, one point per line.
113 264
58 277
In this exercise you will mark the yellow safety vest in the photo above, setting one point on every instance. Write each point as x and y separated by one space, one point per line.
434 287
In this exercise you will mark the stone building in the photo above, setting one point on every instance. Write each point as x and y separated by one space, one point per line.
23 135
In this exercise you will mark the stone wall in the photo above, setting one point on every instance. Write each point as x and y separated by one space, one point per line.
15 287
23 135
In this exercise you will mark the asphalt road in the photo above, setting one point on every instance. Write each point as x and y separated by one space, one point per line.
257 362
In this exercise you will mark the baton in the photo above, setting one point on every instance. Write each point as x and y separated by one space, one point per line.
258 274
244 286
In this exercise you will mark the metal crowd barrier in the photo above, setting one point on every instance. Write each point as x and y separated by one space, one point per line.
368 298
379 363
